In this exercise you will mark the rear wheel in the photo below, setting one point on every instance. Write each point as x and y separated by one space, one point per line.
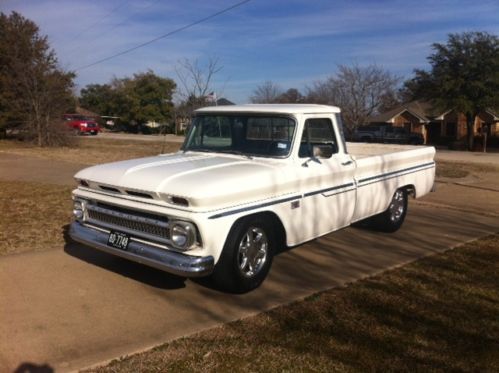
393 217
246 257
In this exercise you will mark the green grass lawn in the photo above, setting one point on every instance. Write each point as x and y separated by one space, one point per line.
440 313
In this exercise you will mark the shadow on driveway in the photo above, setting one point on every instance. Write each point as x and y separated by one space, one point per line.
136 271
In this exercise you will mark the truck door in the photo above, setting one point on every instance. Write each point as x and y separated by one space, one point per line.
327 178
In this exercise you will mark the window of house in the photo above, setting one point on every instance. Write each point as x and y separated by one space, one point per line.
318 139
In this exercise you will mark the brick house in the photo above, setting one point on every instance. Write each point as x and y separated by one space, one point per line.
434 125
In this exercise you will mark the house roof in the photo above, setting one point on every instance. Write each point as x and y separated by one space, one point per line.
493 113
223 101
422 110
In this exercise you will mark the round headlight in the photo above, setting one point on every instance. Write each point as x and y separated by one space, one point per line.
182 234
78 210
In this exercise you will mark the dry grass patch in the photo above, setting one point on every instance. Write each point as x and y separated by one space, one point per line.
457 170
92 151
33 216
436 314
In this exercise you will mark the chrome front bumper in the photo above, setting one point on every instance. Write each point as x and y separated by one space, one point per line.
168 261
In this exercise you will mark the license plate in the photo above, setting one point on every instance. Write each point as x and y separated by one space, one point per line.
118 240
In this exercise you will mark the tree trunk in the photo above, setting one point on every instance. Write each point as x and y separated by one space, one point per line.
470 123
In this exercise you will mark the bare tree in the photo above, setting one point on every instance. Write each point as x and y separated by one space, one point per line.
266 93
320 93
291 96
195 78
359 91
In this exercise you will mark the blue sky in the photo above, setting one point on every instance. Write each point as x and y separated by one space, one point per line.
292 43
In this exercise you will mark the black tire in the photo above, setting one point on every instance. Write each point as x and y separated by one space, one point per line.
229 274
393 217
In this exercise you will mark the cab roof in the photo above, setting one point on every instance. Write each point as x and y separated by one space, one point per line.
271 108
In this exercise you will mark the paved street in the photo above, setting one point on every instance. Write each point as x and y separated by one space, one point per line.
491 157
137 137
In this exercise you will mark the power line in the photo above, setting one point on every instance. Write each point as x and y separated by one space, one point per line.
225 10
128 18
99 20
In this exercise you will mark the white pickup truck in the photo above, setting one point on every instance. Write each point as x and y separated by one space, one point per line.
248 180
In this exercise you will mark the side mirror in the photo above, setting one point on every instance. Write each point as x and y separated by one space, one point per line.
323 151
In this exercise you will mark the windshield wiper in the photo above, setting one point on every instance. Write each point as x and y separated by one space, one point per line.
236 152
204 150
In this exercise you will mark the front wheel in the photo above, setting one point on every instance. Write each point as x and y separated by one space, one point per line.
246 257
393 217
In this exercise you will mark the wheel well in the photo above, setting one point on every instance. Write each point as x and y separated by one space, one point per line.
278 227
410 189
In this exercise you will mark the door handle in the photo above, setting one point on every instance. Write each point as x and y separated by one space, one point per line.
346 163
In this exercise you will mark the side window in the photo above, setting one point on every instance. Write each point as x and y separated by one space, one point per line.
318 139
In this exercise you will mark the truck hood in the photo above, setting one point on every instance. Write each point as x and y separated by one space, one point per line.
208 181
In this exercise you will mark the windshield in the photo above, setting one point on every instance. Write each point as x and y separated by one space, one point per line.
241 134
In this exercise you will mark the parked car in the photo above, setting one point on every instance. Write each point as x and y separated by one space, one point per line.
248 181
81 124
387 134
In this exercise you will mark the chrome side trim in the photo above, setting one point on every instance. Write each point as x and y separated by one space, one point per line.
388 175
244 209
141 252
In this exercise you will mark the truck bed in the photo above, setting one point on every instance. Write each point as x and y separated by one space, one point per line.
363 150
381 169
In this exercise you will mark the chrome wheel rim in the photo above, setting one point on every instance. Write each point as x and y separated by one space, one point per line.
253 250
397 206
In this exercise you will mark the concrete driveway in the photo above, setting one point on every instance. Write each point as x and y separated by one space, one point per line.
73 307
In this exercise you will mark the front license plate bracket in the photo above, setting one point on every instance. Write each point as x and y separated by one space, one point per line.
118 240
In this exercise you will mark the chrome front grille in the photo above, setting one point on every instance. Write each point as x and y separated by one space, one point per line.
142 225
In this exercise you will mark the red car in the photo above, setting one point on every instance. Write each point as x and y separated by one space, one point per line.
82 124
